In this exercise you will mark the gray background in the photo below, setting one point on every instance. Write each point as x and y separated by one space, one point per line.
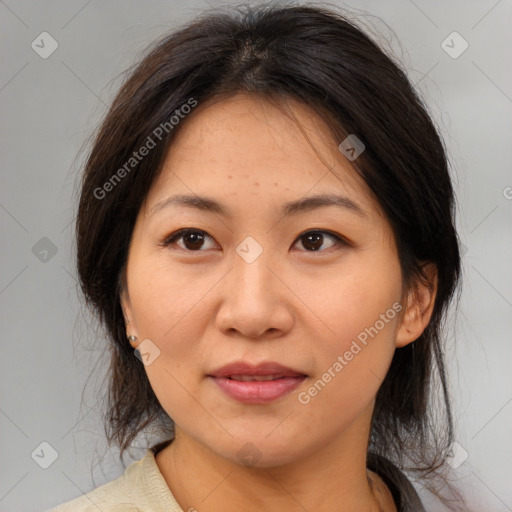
48 109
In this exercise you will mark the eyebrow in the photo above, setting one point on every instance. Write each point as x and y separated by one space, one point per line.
290 208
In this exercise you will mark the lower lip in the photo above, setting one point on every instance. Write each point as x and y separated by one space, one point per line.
258 392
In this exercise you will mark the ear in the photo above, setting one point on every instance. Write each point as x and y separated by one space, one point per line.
420 304
127 308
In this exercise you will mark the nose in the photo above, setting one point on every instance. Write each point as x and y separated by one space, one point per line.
255 301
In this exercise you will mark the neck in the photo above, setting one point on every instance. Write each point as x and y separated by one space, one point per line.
333 478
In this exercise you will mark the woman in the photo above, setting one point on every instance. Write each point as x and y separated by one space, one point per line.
266 230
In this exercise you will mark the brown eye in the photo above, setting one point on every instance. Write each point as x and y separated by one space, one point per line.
192 239
312 241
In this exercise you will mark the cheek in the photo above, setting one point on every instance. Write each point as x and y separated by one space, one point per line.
168 301
354 353
349 371
353 298
167 310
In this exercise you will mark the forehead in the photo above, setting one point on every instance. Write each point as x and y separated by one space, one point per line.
246 145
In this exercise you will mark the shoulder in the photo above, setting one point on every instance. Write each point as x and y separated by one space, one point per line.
141 488
110 497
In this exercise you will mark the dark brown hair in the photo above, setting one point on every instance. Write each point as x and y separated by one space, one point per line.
316 56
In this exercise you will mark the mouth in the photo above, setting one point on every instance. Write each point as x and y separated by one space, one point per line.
258 378
258 384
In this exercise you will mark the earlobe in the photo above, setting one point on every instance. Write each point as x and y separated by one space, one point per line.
420 304
130 327
127 311
124 299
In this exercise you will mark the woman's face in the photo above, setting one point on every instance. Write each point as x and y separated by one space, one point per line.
248 285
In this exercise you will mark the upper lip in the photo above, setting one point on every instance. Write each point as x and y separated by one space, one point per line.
265 368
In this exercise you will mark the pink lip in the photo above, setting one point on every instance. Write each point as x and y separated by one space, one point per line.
257 392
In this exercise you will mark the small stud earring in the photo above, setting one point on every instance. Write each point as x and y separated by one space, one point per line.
132 339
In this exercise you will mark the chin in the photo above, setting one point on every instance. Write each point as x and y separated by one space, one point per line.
259 452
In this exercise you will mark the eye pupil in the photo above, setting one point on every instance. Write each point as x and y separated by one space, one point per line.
316 239
194 238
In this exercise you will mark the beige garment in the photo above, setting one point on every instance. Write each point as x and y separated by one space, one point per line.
141 488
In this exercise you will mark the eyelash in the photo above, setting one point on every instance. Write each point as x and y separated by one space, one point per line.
181 232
